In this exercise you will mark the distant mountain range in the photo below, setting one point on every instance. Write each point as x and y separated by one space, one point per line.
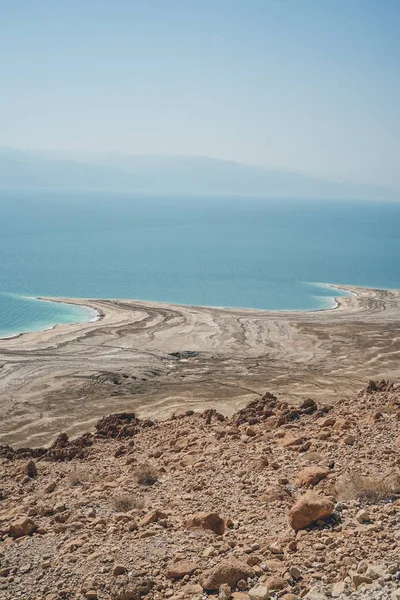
169 174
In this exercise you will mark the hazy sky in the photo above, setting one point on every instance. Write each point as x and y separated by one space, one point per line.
310 85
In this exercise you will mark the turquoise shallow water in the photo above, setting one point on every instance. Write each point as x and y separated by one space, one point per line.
237 251
23 313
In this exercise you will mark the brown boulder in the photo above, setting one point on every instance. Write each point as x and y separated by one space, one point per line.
30 469
119 570
276 492
21 527
308 509
275 583
203 520
311 476
152 517
291 440
131 588
228 571
180 568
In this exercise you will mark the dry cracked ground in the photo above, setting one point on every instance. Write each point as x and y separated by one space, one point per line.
157 359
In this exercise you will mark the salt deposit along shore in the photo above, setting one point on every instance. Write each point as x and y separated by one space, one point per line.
157 359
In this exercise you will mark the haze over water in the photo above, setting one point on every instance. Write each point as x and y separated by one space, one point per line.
216 251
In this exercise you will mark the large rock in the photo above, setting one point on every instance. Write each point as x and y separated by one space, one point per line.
358 579
291 440
228 571
275 583
203 520
315 595
311 476
21 527
308 509
152 517
180 568
259 592
30 469
131 588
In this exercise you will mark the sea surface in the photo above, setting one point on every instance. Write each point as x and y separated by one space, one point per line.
218 251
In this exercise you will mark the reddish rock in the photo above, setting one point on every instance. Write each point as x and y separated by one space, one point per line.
275 583
274 493
21 527
180 568
291 440
308 509
203 520
311 476
131 588
228 571
30 469
119 570
152 517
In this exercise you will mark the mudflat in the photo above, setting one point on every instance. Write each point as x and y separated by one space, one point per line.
156 359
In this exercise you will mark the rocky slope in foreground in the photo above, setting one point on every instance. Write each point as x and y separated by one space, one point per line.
274 502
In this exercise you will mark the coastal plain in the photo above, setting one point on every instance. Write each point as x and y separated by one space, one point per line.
158 359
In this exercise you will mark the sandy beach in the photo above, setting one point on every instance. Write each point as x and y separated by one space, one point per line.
156 359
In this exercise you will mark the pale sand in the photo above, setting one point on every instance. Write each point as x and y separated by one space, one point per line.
64 379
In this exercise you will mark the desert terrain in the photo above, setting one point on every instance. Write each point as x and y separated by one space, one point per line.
159 359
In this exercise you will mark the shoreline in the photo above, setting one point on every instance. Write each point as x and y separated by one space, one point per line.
156 359
97 317
84 303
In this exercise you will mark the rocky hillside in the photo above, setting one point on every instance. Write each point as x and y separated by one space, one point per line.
275 502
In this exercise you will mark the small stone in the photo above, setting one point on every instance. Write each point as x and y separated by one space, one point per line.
275 548
228 571
259 592
192 590
74 544
202 520
295 572
349 439
290 440
50 487
392 569
338 589
326 422
25 568
225 592
152 517
310 476
315 595
30 469
362 567
359 579
250 432
363 516
180 568
275 583
91 595
22 527
119 570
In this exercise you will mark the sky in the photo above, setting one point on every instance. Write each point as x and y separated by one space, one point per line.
306 85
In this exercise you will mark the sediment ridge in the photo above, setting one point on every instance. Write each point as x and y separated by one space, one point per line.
158 359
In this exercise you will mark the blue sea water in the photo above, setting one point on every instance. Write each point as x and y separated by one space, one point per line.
218 251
